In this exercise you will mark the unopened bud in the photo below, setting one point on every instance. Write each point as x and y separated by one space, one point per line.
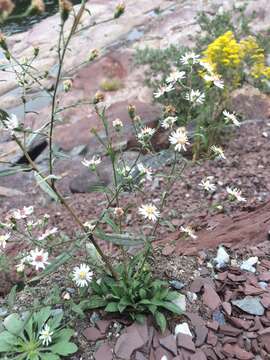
169 110
36 51
117 124
99 97
3 43
119 10
93 54
67 84
37 6
118 212
6 8
131 111
65 7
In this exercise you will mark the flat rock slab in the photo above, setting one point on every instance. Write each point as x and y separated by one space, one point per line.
250 305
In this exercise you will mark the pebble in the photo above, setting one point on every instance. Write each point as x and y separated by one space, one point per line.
250 305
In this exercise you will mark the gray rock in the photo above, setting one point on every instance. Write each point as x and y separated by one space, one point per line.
250 305
177 285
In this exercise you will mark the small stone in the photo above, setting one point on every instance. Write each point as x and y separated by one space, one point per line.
222 259
248 264
227 308
219 317
191 296
180 301
229 330
250 305
177 285
265 276
182 329
211 298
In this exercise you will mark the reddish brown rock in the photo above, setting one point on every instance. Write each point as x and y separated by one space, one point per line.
241 324
211 298
185 341
93 334
253 290
169 343
103 325
201 335
104 352
237 351
265 301
229 330
212 339
227 308
135 337
264 276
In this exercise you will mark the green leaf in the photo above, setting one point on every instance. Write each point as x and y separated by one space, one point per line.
63 335
140 318
95 302
120 239
49 356
6 341
172 295
12 296
121 307
100 189
14 170
64 348
45 187
168 305
111 223
161 321
13 324
112 307
142 293
152 309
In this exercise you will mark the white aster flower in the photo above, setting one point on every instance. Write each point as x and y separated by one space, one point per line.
82 275
117 124
162 90
179 139
207 66
48 233
21 266
38 258
189 58
145 134
168 122
231 117
215 79
207 184
235 194
175 76
12 123
147 172
149 212
3 240
92 163
23 213
46 335
189 231
195 97
90 225
218 152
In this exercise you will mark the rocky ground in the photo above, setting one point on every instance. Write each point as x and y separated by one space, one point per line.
227 309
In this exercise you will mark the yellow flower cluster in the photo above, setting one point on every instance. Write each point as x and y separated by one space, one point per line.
227 54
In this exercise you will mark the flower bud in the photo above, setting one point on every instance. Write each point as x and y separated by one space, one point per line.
6 8
3 43
99 97
65 7
37 7
36 51
117 124
131 111
169 110
118 212
93 54
119 10
67 84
